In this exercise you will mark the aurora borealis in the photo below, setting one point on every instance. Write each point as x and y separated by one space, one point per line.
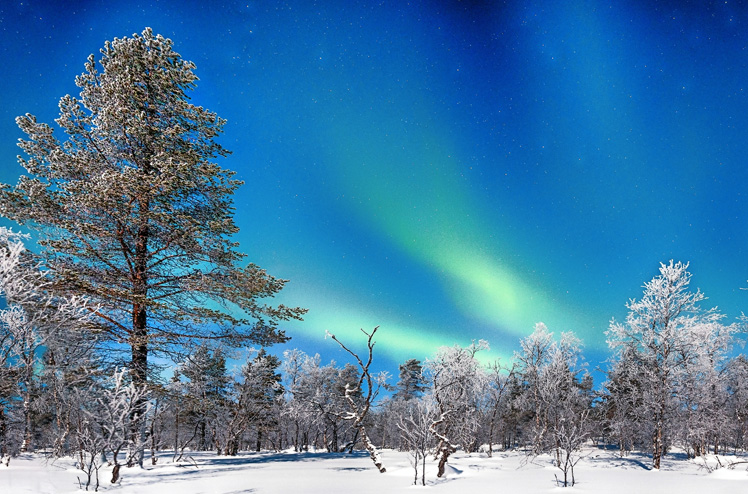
449 170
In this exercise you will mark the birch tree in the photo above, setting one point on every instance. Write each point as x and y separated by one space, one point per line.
534 357
456 381
414 424
661 336
34 325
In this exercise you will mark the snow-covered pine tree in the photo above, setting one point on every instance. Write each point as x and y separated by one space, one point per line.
132 212
260 392
205 393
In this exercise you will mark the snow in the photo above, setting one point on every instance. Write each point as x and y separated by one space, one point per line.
268 472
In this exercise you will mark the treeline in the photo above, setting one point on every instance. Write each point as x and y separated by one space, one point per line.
671 382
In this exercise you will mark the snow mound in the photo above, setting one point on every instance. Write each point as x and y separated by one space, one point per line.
449 471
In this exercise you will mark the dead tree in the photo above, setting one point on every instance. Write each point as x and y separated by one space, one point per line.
359 409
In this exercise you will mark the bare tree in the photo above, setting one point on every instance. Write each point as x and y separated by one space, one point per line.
571 432
415 434
368 387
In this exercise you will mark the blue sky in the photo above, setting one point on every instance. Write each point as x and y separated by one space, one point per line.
448 170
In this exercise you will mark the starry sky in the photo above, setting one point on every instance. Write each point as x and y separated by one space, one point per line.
448 170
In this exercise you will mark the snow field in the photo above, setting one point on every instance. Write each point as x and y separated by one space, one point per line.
599 472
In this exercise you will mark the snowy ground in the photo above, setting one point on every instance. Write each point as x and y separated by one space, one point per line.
600 471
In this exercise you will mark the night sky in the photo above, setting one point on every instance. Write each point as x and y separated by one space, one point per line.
448 170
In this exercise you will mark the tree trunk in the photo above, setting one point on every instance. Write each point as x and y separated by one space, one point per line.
445 451
28 370
423 467
3 432
657 435
373 453
657 444
154 459
139 335
176 432
490 437
203 444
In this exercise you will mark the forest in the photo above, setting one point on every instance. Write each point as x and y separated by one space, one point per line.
126 299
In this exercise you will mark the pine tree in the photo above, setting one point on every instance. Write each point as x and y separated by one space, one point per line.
260 391
132 213
411 383
206 391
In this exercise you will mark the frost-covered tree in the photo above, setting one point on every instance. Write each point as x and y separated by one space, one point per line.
533 358
70 361
499 380
20 283
555 397
132 211
104 424
259 391
252 405
457 380
8 378
623 403
296 411
409 389
315 401
34 326
702 391
565 405
663 336
414 423
737 403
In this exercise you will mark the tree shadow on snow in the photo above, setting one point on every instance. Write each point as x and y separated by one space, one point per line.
283 457
626 461
205 460
202 463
